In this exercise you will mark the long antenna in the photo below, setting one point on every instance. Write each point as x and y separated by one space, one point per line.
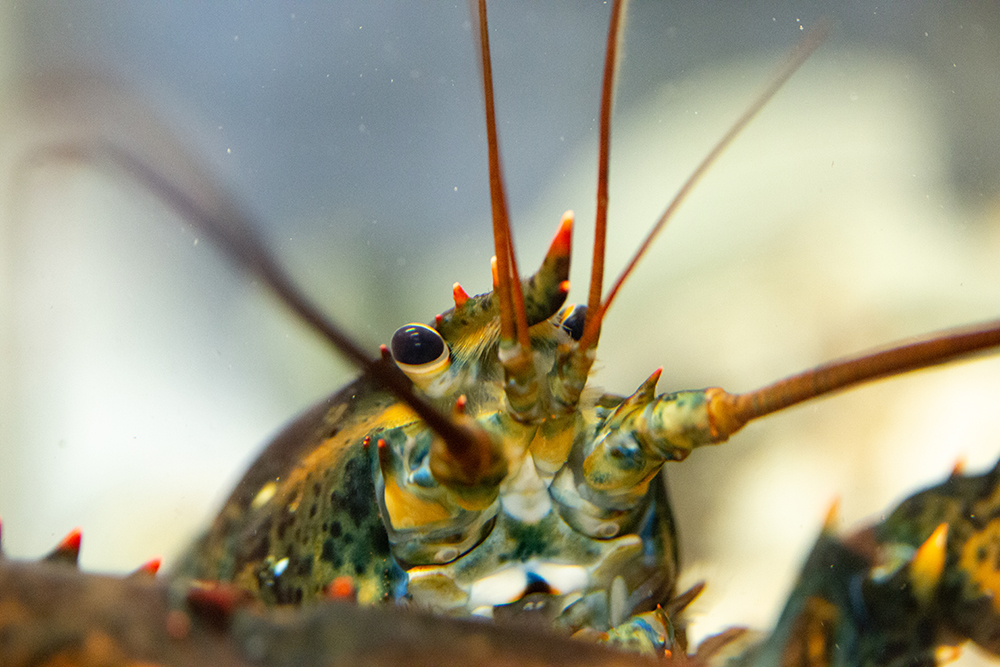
730 412
232 230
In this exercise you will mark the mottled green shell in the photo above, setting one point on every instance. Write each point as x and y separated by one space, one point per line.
308 498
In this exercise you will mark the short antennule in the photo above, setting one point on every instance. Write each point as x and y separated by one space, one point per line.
611 53
573 363
513 323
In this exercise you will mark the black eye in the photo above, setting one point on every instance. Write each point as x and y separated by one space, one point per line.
416 345
574 321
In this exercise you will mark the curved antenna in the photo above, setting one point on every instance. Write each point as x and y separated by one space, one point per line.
232 230
731 412
796 59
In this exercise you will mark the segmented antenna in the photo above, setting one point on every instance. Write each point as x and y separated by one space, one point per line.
573 363
513 320
731 412
232 231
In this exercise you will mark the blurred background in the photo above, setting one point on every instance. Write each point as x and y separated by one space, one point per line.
139 374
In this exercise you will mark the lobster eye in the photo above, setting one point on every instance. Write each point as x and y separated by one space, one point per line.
574 321
416 345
